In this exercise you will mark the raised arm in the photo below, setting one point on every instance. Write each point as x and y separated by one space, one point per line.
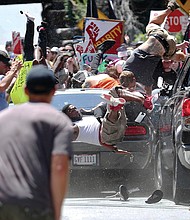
130 96
13 72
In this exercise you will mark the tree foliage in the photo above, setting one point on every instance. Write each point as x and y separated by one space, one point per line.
134 13
75 10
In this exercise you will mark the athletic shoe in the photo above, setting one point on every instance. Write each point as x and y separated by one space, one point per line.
172 5
115 104
148 104
123 192
106 45
155 197
42 27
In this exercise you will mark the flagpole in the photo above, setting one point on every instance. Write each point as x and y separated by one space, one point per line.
91 15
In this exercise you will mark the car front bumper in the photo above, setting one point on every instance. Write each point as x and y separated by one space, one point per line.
87 156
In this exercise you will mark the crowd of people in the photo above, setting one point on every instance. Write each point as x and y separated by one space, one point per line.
36 148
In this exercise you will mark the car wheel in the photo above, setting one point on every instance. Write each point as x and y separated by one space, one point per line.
181 183
162 177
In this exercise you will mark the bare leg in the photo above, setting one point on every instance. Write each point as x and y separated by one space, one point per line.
172 5
113 127
113 116
161 17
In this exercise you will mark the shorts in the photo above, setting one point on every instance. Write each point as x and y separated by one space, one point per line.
143 65
154 29
112 133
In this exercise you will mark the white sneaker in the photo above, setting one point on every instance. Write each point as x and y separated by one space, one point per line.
115 102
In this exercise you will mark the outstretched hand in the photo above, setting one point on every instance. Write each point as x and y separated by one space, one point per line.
16 66
183 45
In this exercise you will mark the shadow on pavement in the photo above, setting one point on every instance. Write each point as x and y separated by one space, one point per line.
92 183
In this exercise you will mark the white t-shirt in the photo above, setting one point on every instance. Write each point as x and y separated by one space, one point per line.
88 130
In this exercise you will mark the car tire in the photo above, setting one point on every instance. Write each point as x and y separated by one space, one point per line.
162 177
181 183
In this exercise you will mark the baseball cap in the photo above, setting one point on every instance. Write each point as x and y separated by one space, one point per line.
122 51
40 80
65 108
4 57
55 50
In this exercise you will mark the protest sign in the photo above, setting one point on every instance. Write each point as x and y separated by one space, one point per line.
97 31
87 58
17 94
175 22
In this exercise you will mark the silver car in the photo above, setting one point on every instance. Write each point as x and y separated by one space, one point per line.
139 137
172 154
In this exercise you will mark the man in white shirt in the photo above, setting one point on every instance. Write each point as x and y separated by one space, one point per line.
89 130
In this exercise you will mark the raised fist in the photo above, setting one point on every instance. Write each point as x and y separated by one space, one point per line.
93 31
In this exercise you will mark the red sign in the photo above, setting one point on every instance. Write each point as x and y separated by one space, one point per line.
174 21
116 34
99 30
17 46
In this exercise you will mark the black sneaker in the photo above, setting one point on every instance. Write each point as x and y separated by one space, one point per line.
106 45
44 24
123 192
155 197
172 5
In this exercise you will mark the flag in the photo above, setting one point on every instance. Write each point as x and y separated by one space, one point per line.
111 10
17 45
92 9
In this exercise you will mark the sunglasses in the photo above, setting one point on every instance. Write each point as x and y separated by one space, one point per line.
5 63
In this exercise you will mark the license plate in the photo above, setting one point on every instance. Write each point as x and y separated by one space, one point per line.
85 160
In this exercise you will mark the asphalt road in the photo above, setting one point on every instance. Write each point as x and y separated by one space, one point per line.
115 209
90 197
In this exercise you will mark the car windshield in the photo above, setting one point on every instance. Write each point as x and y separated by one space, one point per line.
86 101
